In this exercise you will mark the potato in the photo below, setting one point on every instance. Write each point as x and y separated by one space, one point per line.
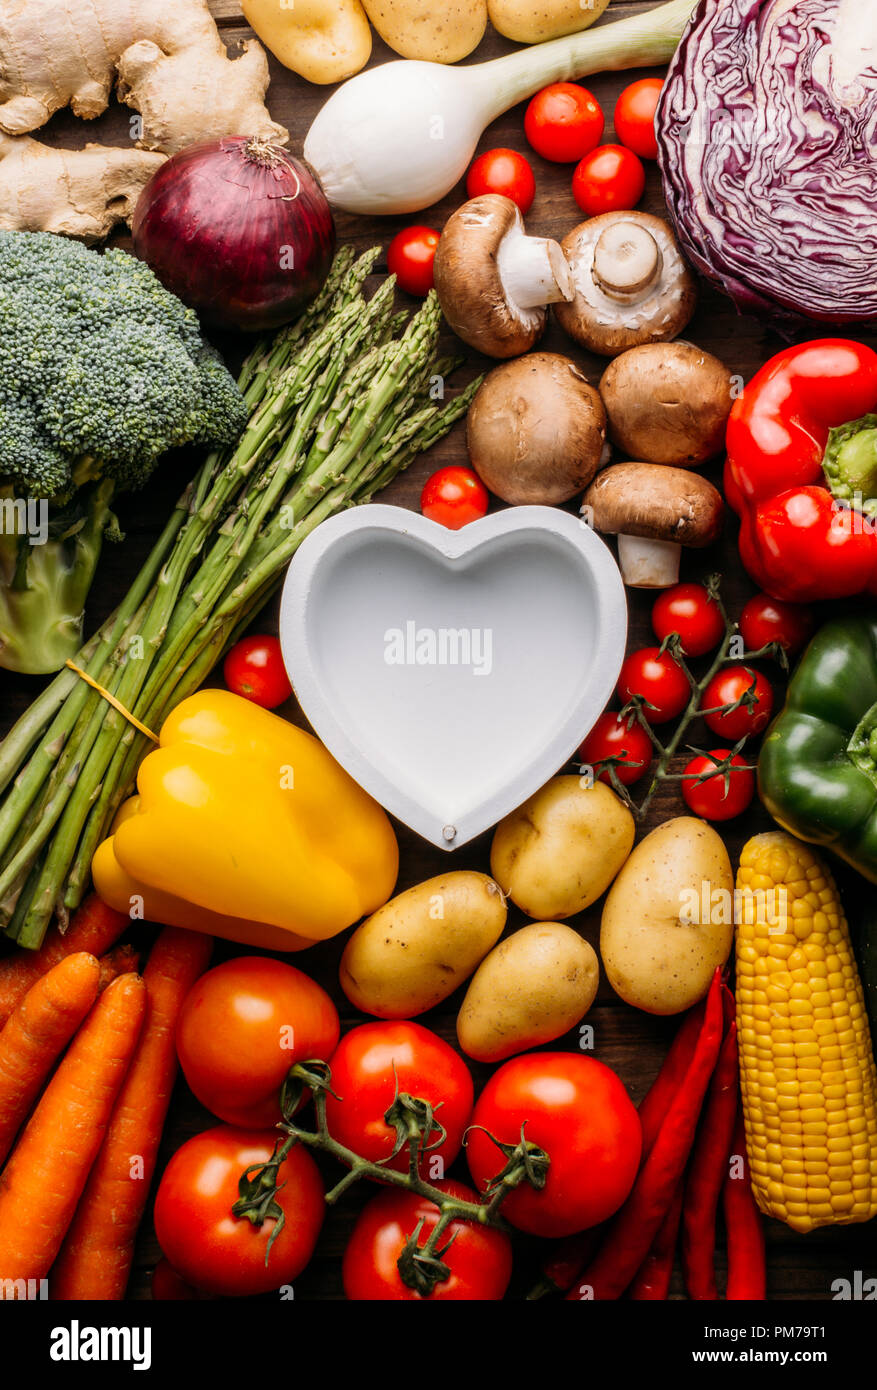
532 21
422 29
658 952
416 949
558 852
531 989
322 40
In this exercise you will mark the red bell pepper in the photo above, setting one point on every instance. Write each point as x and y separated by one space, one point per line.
797 540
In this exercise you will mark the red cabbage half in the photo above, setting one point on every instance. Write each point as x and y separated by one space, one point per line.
767 132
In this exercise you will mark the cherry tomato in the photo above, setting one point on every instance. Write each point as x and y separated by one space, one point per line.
578 1111
766 619
659 680
453 497
611 738
609 179
222 1254
480 1258
689 610
363 1077
635 116
728 686
242 1027
167 1285
410 258
503 171
254 668
708 799
564 122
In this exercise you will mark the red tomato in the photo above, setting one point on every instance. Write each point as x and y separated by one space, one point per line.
564 122
611 738
609 179
480 1259
766 619
689 610
410 257
363 1077
453 497
635 116
708 798
728 686
167 1286
659 680
222 1254
241 1028
502 171
254 668
578 1111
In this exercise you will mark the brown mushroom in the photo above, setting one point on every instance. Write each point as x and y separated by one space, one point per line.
667 403
536 430
493 281
631 283
654 511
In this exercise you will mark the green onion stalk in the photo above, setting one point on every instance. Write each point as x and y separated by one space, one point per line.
340 403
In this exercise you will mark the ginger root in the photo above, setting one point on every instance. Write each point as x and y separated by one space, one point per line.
78 193
171 63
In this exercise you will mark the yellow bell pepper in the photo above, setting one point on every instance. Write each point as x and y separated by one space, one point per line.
246 827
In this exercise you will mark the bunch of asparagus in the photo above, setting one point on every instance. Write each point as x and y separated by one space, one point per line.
339 404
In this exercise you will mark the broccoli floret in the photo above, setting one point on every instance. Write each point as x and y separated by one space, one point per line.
102 370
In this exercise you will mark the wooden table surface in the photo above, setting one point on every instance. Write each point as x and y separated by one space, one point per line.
633 1043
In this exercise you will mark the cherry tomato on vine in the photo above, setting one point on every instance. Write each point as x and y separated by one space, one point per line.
222 1254
611 738
659 680
368 1065
766 619
254 669
609 179
454 496
708 799
564 122
480 1258
726 688
689 610
635 116
503 171
410 258
578 1111
241 1028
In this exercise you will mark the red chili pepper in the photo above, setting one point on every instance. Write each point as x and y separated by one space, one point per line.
633 1228
706 1174
660 1096
795 539
747 1264
565 1262
653 1280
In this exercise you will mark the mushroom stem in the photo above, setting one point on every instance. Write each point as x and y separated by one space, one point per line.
533 270
648 564
627 260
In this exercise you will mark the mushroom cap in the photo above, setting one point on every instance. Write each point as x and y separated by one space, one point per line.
468 283
667 403
656 502
603 323
536 430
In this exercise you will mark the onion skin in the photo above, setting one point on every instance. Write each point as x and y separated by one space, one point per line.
239 230
767 141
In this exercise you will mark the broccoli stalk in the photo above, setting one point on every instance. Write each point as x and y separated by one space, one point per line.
45 578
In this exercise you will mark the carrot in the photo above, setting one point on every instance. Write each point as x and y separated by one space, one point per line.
121 960
95 1259
36 1034
44 1178
94 927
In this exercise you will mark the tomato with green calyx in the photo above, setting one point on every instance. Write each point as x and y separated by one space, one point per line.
690 611
621 738
750 691
704 790
658 680
766 619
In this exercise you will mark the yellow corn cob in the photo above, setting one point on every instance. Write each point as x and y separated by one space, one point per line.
807 1074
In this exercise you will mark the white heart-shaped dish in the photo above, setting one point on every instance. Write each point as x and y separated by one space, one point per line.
452 672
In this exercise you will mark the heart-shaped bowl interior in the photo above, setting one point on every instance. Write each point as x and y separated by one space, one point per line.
452 673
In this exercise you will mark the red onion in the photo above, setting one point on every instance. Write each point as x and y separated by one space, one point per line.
239 230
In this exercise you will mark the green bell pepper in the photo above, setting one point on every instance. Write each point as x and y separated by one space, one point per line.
817 774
